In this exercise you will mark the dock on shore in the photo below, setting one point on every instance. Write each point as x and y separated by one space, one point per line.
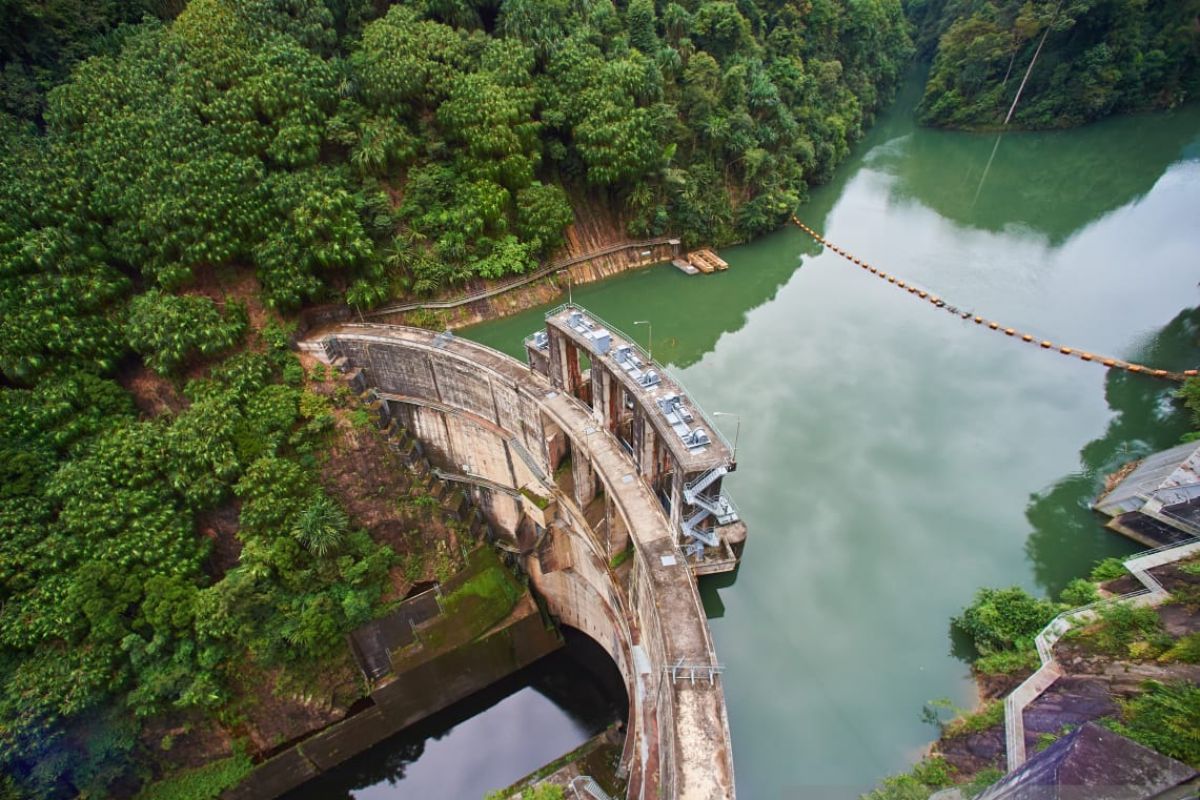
704 260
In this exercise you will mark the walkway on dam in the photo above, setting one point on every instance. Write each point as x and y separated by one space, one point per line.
698 733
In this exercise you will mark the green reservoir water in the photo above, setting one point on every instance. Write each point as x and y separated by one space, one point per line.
893 459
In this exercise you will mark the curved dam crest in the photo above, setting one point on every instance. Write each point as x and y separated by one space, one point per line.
608 486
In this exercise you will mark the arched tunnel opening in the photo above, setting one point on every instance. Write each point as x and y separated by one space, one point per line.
494 737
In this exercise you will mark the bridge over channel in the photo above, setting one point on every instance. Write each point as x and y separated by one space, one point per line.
596 466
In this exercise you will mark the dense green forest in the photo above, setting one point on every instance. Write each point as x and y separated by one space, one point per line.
1090 58
178 178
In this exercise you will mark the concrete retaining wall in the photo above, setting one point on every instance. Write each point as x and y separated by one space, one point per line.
419 692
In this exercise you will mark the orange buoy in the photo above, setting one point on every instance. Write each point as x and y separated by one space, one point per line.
1046 344
912 290
900 284
1009 332
1160 373
1066 351
891 278
922 294
1027 337
1191 373
857 261
1086 356
1108 362
1134 367
993 325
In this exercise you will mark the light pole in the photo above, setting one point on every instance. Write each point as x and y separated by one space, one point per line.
736 431
650 339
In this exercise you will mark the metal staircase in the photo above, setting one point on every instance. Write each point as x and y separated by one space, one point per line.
691 530
718 507
703 482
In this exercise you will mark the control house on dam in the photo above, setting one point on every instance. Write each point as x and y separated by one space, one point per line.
597 469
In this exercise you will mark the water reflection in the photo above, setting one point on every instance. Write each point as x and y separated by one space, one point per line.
1054 183
893 461
492 738
1146 420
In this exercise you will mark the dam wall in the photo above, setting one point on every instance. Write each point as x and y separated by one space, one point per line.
561 490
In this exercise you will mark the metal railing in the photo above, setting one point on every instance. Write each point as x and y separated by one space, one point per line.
662 370
1055 629
516 282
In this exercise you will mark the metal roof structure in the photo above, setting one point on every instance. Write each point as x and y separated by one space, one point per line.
1171 476
1092 763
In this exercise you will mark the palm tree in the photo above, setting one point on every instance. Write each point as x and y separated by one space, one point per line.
321 526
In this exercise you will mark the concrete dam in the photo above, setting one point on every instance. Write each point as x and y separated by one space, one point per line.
595 466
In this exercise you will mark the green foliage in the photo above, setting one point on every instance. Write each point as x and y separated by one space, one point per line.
1165 718
321 527
1107 570
1079 592
982 780
169 329
1097 57
1044 740
990 715
1128 631
1007 662
543 792
621 557
929 775
107 613
1185 649
1004 619
200 783
492 585
297 146
40 42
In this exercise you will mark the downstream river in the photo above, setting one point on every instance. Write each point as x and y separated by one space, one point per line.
892 458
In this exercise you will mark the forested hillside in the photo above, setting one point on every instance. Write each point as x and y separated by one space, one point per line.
176 180
1093 58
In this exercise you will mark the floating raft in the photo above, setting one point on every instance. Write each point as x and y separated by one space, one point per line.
684 266
706 261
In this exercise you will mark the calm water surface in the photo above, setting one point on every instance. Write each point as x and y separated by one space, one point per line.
490 739
894 459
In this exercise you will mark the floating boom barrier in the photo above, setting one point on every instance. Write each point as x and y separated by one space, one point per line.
937 302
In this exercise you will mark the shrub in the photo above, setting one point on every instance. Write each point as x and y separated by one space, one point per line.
1186 649
201 783
982 780
1004 619
991 714
1122 627
1165 718
1108 570
929 775
169 329
1007 662
1079 592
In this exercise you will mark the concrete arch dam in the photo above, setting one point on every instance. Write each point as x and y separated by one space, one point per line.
593 465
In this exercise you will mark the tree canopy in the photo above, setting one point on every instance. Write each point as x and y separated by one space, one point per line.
174 176
1093 58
